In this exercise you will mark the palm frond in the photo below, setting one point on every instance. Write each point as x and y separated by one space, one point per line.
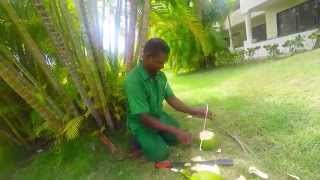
22 87
71 129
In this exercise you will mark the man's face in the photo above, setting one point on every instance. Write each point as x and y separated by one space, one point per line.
154 63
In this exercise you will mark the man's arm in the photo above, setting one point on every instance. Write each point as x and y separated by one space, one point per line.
178 105
154 123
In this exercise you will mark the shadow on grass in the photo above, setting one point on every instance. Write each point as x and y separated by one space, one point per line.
276 130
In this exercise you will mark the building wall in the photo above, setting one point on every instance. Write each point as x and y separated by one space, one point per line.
239 35
237 17
268 10
246 5
271 15
308 43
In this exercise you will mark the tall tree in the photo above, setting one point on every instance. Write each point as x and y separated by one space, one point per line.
131 34
143 29
96 47
191 31
117 29
68 60
28 92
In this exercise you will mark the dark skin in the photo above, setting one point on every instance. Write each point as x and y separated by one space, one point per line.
153 64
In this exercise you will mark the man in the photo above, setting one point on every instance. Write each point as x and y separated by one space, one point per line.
146 87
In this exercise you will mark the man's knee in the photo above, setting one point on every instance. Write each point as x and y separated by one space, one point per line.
159 153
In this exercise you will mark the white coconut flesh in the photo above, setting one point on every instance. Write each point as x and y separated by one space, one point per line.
206 135
209 168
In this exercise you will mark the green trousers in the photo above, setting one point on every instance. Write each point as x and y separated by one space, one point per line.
154 144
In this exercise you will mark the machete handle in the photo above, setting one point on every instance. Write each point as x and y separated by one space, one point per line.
163 165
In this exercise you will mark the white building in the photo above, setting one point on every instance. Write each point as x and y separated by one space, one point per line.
262 22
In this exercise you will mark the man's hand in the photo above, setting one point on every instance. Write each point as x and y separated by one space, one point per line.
183 137
201 113
178 105
151 122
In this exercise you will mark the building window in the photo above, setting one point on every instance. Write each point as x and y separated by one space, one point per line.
299 18
259 33
287 22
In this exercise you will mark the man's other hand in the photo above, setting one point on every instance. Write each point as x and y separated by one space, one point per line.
201 113
183 137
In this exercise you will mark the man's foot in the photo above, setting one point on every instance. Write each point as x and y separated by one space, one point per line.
135 150
135 154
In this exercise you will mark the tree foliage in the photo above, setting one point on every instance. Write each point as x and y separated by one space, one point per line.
55 76
53 66
194 37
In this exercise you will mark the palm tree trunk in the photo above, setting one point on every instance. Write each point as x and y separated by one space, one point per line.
126 27
27 92
117 30
9 136
198 7
131 34
7 54
102 19
36 53
14 131
97 51
230 34
30 44
143 30
65 57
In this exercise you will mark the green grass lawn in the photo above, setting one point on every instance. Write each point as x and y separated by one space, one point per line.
272 107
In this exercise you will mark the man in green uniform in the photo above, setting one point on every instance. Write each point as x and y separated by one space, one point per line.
146 88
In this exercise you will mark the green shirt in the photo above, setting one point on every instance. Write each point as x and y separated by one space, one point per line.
145 94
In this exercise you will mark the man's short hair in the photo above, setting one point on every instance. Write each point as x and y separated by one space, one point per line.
155 46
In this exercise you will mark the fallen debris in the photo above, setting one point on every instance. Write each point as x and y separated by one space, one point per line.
197 158
241 177
293 176
39 150
175 170
254 171
209 168
235 138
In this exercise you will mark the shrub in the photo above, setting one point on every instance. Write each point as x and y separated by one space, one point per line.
230 58
273 50
315 36
251 52
240 55
294 44
225 58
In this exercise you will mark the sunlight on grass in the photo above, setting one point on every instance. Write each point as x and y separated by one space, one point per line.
271 106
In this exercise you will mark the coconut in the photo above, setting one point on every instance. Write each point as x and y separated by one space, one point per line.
206 172
209 140
205 175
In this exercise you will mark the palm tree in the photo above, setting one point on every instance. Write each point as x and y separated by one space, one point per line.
71 60
36 53
30 44
143 29
96 47
190 30
71 65
28 92
129 51
117 29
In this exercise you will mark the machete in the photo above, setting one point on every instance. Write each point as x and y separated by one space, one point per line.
180 164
